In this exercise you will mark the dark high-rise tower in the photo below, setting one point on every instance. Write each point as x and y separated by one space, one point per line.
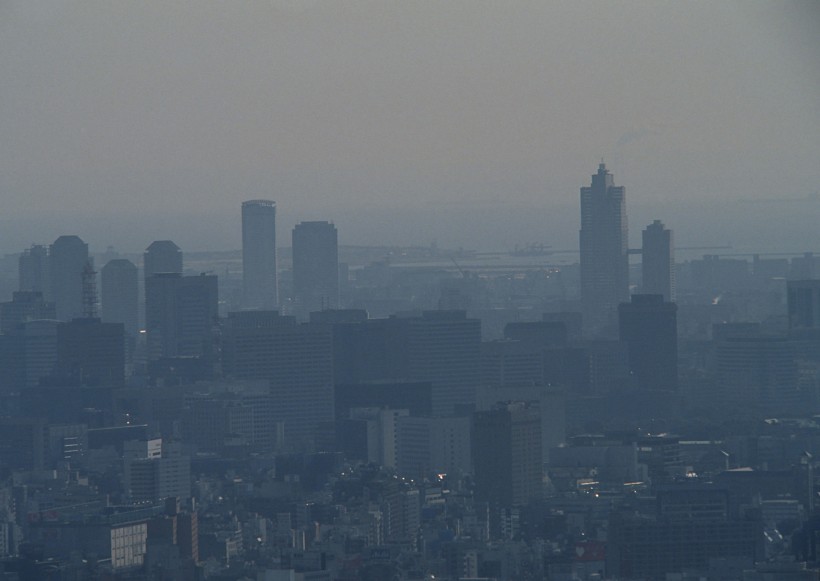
649 327
120 287
68 258
658 261
259 254
315 266
604 257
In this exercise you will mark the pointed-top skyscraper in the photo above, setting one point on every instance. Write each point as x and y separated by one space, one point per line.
259 254
604 252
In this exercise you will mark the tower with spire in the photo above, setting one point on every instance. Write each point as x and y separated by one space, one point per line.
604 253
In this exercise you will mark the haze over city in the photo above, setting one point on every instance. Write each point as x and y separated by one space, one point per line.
312 290
466 123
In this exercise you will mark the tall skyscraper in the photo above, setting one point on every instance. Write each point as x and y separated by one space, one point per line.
33 270
315 267
120 287
648 325
658 261
259 254
162 256
68 258
180 314
604 252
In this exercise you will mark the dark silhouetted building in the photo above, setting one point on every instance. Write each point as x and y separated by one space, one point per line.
120 290
757 374
33 270
413 396
180 315
444 348
604 252
90 352
68 257
259 255
296 360
506 451
648 326
28 353
315 267
804 304
162 256
24 306
658 261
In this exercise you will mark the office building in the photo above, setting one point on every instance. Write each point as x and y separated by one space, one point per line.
658 261
648 326
315 267
604 252
33 270
161 257
506 451
152 474
512 363
444 348
209 420
120 290
259 255
24 306
21 443
549 402
68 258
757 374
28 353
90 353
804 304
297 361
180 315
414 396
433 446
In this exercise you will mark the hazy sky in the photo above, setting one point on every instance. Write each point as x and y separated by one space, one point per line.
470 122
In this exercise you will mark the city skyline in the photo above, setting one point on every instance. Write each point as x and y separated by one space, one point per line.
434 117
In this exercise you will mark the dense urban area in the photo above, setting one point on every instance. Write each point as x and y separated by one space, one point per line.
333 413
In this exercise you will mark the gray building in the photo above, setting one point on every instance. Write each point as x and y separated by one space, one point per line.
804 304
315 267
33 270
648 325
162 256
506 452
120 289
658 261
296 360
259 280
180 314
68 257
